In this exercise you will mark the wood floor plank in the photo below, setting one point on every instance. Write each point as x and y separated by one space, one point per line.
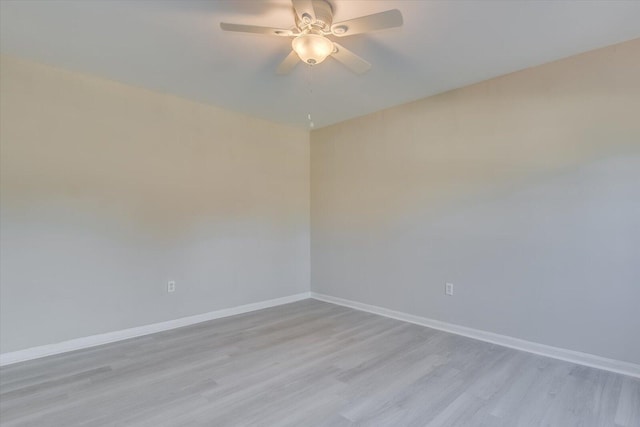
311 363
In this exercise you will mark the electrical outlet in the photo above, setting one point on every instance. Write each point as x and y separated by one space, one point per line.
448 288
171 286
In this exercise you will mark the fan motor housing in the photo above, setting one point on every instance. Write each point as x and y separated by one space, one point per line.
324 15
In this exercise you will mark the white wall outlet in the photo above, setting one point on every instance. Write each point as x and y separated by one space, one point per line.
448 288
171 286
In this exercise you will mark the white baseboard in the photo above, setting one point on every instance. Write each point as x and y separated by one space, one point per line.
586 359
109 337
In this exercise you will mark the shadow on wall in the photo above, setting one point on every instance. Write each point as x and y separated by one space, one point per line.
552 260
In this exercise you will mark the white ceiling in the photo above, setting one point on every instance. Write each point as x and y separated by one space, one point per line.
177 47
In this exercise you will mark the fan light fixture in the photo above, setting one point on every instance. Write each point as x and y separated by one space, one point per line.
312 48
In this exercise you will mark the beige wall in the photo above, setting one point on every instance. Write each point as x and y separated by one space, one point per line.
108 191
524 191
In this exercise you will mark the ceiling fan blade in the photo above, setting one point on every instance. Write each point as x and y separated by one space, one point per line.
350 59
377 21
305 11
241 28
288 64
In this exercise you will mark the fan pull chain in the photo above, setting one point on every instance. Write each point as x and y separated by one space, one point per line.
309 80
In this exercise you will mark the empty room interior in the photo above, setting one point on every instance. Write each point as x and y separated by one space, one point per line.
320 213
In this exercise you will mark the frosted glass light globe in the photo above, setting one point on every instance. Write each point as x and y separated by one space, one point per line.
312 48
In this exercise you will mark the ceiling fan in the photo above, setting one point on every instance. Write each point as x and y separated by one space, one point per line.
313 23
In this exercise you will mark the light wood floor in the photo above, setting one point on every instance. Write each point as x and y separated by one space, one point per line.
311 364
